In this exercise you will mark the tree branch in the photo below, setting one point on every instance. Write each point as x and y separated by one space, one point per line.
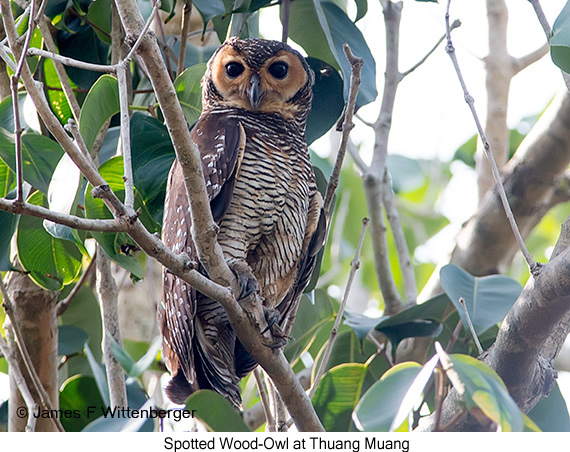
108 298
533 266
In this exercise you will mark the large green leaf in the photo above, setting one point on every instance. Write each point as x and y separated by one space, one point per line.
77 39
337 395
560 40
407 174
80 396
216 412
189 91
117 245
209 9
328 100
481 387
71 340
487 298
380 404
57 99
551 412
101 104
326 41
311 318
99 15
52 263
152 155
40 156
135 368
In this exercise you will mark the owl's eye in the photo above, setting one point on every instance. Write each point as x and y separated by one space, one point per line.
234 69
279 70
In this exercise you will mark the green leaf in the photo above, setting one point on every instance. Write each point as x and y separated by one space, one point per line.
414 394
311 318
361 9
101 104
63 191
85 313
380 404
152 155
71 340
406 173
57 99
487 298
326 42
337 395
52 263
209 9
551 412
189 91
136 398
360 323
484 389
216 412
78 394
99 374
116 245
347 348
99 15
328 100
77 39
40 156
132 368
560 40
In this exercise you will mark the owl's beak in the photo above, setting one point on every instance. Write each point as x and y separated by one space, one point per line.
254 92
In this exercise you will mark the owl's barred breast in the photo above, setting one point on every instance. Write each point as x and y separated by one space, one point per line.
266 219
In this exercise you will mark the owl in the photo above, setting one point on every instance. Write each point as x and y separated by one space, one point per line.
256 95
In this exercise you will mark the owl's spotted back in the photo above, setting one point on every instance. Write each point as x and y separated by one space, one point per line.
256 95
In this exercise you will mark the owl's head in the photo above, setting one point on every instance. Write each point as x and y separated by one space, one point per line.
260 76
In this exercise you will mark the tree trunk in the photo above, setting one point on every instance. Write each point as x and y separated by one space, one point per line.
35 314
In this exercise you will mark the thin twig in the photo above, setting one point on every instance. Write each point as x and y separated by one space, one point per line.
184 29
454 25
354 265
19 339
106 68
163 37
356 67
263 396
60 70
471 327
533 266
28 40
64 304
439 395
155 8
408 275
20 381
454 336
108 298
126 136
17 140
541 18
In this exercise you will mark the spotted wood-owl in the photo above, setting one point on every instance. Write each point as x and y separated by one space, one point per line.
256 95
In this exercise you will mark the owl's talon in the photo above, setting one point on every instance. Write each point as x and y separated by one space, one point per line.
246 280
280 339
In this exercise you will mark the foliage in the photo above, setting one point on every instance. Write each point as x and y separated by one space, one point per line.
361 389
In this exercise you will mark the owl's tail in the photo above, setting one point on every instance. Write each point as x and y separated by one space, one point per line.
178 389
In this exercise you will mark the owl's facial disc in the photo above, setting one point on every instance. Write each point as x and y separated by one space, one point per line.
267 87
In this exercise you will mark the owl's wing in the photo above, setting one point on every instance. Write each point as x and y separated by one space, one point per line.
221 143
